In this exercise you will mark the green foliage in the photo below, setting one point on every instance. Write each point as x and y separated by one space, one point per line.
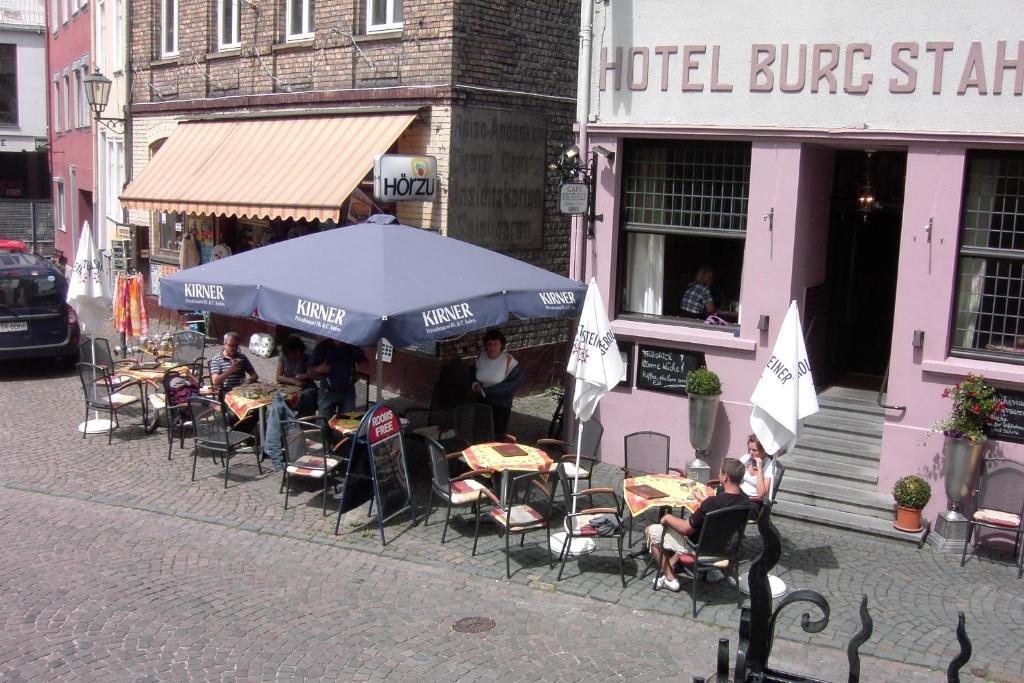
703 382
975 407
912 492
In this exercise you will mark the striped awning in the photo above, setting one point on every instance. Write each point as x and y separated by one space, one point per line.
290 167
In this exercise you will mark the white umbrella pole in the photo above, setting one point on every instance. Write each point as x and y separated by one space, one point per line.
578 546
576 473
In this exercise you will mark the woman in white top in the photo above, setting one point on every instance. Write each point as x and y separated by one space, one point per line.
496 376
760 470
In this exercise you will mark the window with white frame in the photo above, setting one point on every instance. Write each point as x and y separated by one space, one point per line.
684 227
228 32
117 38
56 104
115 177
81 103
168 28
103 164
67 101
58 204
989 316
54 15
101 36
69 10
298 19
383 15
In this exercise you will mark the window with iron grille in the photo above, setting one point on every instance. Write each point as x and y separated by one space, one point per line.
685 223
989 315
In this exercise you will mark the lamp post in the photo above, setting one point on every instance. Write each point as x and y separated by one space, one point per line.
97 94
573 170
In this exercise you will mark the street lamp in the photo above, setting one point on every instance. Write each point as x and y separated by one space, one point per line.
573 169
97 94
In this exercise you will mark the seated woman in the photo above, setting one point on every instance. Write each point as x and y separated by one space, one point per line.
293 368
759 470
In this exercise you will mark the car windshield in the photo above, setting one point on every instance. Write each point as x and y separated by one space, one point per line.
30 291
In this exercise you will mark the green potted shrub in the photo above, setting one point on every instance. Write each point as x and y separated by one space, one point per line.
704 389
911 494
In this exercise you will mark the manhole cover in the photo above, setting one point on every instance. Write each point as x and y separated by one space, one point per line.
473 625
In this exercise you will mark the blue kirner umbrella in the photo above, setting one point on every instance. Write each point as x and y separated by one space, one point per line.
369 282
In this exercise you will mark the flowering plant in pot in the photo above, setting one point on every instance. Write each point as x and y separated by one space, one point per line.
975 407
911 493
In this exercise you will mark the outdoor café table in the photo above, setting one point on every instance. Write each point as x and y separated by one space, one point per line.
679 493
244 399
149 375
489 456
346 424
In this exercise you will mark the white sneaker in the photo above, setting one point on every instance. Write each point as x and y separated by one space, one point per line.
662 582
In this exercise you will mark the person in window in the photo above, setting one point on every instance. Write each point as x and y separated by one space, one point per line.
229 367
293 368
697 301
496 377
334 362
674 535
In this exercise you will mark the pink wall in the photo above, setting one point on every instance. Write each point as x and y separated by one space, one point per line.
795 180
69 148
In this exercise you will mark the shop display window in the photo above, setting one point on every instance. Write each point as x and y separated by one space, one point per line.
989 315
684 212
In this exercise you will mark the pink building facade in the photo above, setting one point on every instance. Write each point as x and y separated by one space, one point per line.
69 36
873 173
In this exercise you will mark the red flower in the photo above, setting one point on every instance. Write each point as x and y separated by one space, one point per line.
977 410
945 393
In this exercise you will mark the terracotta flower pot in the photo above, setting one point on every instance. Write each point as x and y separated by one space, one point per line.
907 519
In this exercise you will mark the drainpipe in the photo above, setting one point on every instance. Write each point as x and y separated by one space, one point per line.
582 116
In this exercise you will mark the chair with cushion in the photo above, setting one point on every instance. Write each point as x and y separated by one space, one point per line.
646 453
773 491
102 395
458 492
602 519
999 503
562 452
177 386
212 434
718 547
473 423
97 351
189 347
511 518
304 449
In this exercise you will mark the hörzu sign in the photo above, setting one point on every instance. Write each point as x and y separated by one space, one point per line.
404 178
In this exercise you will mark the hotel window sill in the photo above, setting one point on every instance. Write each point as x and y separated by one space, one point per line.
298 44
164 61
723 337
991 369
375 36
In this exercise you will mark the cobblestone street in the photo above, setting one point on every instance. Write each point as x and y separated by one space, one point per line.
117 567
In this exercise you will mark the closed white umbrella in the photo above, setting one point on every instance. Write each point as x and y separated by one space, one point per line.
89 295
785 394
597 366
88 289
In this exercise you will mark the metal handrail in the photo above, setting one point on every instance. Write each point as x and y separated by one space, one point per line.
884 390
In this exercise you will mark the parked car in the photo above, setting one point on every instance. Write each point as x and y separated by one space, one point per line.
35 318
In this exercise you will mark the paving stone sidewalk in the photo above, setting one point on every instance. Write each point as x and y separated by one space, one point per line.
914 594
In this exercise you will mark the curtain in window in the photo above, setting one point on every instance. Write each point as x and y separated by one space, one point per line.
981 192
646 267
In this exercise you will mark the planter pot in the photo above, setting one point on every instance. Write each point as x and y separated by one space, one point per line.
703 412
907 519
962 459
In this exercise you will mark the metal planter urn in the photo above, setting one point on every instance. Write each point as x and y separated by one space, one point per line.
704 390
962 459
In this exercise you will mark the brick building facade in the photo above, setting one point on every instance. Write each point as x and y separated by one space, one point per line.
491 84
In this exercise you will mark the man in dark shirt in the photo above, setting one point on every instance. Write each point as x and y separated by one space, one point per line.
675 535
334 363
229 367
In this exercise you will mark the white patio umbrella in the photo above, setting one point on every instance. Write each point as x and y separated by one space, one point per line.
783 398
89 295
597 366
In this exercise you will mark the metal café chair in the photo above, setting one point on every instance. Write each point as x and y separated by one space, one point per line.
101 395
646 453
212 434
999 501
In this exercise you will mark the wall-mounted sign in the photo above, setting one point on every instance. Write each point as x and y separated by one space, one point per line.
573 198
404 178
663 369
1009 426
496 186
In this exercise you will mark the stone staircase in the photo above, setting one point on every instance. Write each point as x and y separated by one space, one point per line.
832 474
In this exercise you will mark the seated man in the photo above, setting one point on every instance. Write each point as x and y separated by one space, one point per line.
229 367
293 368
334 362
675 535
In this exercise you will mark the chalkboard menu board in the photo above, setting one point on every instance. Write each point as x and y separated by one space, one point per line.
1009 426
662 369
